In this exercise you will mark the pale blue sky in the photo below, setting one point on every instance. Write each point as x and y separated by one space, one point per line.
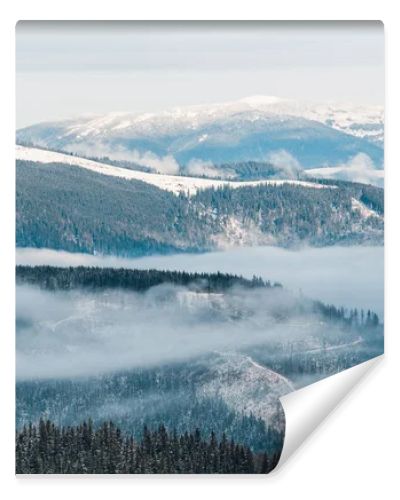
66 68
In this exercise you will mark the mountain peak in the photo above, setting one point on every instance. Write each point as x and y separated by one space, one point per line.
255 100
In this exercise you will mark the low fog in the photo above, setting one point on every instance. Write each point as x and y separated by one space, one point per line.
343 276
76 333
289 167
160 164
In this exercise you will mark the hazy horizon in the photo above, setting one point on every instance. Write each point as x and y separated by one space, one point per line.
66 69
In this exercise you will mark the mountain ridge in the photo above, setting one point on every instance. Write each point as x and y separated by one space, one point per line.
317 135
65 207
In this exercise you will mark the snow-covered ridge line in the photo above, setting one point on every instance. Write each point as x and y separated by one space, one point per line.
356 120
173 183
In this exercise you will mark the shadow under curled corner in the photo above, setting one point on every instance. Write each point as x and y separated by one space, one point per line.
306 408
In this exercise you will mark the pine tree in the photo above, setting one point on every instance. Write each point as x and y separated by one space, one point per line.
49 449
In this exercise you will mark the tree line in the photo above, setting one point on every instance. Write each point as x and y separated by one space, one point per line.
49 449
64 278
140 280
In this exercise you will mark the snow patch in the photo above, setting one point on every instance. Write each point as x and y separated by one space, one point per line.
238 233
247 387
365 212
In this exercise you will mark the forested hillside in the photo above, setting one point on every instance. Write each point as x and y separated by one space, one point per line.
167 395
73 209
231 394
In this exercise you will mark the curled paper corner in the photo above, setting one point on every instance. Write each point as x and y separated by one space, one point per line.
306 408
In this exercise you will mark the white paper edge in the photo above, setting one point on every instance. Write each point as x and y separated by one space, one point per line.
308 407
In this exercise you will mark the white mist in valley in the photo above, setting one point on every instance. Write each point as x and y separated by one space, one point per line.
80 332
342 276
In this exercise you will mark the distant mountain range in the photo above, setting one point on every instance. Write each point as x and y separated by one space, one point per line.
196 138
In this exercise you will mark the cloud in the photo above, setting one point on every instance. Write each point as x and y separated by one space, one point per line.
160 164
319 272
200 168
286 163
77 333
360 168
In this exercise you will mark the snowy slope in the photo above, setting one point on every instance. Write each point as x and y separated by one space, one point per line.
175 184
247 129
363 210
246 387
360 121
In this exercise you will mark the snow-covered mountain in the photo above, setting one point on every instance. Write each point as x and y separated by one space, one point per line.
317 135
360 121
131 213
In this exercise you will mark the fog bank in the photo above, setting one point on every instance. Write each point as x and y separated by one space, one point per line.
343 276
77 333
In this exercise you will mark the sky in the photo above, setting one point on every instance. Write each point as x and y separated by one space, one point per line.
66 69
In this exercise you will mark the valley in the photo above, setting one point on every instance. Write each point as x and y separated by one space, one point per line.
199 232
157 347
193 347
